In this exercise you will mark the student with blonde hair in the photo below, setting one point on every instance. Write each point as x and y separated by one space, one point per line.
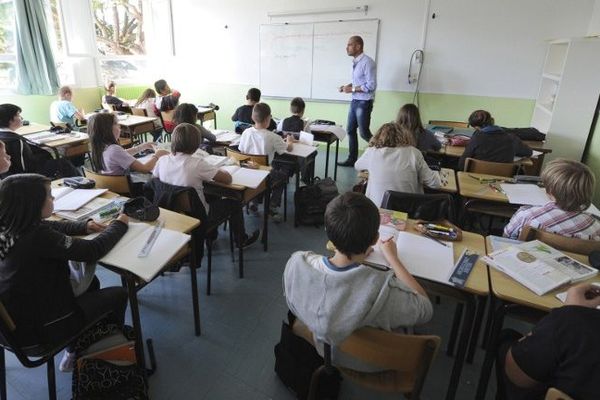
570 186
394 163
63 110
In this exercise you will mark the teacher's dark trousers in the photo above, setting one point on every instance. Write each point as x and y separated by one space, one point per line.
359 117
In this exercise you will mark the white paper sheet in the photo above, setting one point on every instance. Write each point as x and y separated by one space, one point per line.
524 193
335 129
77 198
306 138
226 136
302 150
248 177
425 258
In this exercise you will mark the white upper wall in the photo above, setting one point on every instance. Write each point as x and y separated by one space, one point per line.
594 28
475 47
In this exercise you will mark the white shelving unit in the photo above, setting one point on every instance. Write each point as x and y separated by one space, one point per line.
569 92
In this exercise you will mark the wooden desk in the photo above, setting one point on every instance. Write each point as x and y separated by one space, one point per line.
174 221
133 126
506 293
473 296
470 187
33 127
448 180
244 195
328 138
206 114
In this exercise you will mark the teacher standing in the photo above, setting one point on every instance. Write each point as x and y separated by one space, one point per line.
364 82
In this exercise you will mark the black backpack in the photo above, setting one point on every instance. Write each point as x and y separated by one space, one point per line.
311 201
299 366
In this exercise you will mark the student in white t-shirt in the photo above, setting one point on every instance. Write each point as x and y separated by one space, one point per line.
259 140
182 168
394 163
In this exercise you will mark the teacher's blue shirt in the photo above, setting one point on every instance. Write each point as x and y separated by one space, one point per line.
364 73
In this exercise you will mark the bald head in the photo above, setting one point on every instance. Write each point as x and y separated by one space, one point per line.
355 46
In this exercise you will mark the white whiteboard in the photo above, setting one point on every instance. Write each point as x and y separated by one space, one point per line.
309 60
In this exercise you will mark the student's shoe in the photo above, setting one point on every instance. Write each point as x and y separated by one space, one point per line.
348 163
254 209
68 362
275 216
251 239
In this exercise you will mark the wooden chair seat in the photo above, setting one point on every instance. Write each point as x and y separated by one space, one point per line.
141 112
453 124
491 168
389 381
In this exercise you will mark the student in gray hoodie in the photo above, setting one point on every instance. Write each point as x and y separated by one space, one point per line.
335 296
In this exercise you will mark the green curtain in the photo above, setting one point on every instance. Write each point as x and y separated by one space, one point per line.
36 70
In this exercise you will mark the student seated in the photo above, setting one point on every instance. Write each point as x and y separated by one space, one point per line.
166 100
295 123
259 140
4 158
491 143
242 117
409 119
561 351
63 110
110 97
25 157
570 187
335 296
147 101
395 164
35 282
181 168
108 157
188 113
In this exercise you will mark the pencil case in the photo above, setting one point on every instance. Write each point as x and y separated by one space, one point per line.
441 229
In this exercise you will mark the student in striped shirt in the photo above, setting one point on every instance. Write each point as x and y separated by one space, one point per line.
569 185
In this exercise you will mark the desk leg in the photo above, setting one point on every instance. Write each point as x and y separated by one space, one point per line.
481 304
462 348
327 160
490 354
265 234
135 321
194 281
458 313
337 148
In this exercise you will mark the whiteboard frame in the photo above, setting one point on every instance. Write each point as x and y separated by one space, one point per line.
313 49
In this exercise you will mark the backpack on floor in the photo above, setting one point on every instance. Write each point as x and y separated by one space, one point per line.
298 364
311 201
106 367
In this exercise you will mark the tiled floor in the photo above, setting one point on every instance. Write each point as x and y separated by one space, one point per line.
241 320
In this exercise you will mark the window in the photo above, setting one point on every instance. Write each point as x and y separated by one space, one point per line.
55 35
120 38
7 45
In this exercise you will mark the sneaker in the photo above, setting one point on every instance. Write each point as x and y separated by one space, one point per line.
275 215
251 239
68 362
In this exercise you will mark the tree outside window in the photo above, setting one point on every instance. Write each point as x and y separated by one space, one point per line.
7 44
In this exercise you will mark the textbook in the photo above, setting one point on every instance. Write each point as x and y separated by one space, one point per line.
538 266
89 209
248 177
393 219
125 254
69 199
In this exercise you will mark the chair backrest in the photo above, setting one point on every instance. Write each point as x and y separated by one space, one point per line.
429 207
490 167
555 394
453 124
108 107
239 156
115 183
407 356
559 242
139 111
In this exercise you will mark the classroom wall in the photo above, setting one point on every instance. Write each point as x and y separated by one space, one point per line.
594 27
593 161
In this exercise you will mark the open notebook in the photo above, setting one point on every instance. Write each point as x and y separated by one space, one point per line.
538 266
248 177
69 199
422 257
125 254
